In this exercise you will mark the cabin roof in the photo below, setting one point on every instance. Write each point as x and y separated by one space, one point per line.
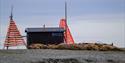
52 29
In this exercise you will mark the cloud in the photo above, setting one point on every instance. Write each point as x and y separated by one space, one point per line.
99 18
102 20
105 28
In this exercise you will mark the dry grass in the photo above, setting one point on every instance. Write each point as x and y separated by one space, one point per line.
80 46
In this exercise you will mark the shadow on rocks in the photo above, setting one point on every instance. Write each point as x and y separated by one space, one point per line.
50 60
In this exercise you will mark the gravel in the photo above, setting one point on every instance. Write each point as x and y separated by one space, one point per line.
61 56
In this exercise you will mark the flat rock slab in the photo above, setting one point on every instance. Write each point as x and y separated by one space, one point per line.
61 56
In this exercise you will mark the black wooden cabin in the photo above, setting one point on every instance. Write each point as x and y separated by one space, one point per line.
44 35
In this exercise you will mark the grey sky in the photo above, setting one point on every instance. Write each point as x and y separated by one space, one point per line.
89 20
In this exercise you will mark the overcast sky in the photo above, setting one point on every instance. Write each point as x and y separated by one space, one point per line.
88 20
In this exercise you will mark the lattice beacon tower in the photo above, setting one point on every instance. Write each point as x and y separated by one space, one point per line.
67 34
13 37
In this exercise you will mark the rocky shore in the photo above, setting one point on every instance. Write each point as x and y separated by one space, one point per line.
61 56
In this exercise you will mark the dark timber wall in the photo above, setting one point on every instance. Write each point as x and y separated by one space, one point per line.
46 37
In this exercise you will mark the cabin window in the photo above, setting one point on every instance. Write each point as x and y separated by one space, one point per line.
57 34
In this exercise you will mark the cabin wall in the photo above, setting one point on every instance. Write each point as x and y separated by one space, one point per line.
45 37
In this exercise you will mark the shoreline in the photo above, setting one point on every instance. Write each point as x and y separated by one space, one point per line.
60 56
